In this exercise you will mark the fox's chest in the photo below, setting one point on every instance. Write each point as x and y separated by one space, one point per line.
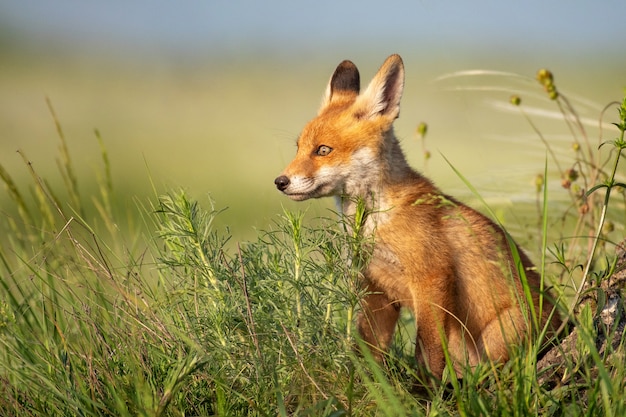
394 236
386 269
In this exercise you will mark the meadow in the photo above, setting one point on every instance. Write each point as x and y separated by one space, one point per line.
129 289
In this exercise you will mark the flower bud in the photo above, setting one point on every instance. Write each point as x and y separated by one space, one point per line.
538 182
422 128
553 94
545 77
571 174
565 183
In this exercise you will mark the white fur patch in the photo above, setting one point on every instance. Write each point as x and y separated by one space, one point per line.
364 180
364 168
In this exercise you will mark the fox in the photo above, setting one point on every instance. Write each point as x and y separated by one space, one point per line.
450 265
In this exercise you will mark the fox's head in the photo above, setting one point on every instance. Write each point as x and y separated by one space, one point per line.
345 149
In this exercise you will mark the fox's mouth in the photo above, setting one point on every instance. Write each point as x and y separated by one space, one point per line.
300 190
305 195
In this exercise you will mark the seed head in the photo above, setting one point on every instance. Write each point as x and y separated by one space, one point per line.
545 76
422 129
571 174
565 183
539 182
546 79
552 93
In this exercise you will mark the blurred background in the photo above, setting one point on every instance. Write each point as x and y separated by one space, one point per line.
210 96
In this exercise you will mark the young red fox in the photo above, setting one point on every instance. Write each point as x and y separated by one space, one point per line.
449 264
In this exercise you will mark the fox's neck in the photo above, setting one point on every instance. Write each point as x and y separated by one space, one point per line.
394 165
380 174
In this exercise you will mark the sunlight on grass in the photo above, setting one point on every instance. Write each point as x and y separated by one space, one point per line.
118 298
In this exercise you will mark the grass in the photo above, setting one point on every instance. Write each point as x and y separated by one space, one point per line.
168 317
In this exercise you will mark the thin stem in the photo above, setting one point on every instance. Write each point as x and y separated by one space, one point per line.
619 145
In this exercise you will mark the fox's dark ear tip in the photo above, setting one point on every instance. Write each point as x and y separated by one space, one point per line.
346 64
346 78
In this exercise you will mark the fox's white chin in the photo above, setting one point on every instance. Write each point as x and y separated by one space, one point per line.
298 197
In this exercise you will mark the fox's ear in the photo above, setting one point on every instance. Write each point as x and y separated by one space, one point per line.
345 81
382 96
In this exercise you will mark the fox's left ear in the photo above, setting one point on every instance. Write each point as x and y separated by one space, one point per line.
382 96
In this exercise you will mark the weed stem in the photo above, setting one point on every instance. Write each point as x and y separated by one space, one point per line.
619 145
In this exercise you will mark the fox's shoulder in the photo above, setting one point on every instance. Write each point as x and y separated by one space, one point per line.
412 188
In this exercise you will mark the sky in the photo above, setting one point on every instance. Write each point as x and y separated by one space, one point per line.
191 25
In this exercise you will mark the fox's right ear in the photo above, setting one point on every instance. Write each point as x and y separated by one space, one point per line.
345 81
382 96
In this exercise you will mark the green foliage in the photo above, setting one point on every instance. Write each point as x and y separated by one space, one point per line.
185 323
272 317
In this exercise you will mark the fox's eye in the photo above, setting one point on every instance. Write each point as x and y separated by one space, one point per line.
323 150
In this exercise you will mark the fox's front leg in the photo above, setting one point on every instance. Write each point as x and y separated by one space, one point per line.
429 347
377 321
432 320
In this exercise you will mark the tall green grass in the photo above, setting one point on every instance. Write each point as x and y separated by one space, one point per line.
156 313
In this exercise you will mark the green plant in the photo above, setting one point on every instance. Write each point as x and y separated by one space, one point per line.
166 318
587 173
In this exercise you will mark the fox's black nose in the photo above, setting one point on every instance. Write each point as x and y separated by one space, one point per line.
281 182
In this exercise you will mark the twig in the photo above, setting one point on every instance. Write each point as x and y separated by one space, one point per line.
295 350
244 287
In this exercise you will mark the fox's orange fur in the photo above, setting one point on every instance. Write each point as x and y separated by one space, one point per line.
450 265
